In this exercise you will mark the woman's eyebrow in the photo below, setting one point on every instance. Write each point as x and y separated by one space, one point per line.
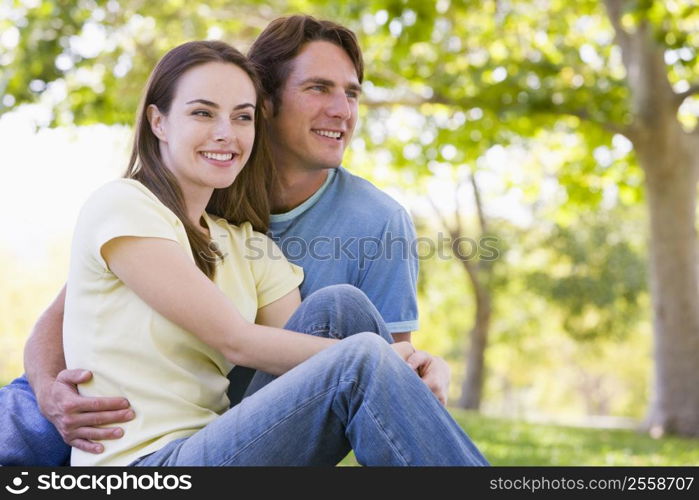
216 106
205 102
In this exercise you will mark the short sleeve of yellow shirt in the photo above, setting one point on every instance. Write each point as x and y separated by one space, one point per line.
269 266
125 208
175 383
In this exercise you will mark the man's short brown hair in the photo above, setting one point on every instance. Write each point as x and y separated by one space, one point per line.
282 40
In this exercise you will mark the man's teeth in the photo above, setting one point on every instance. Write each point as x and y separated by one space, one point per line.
218 156
328 133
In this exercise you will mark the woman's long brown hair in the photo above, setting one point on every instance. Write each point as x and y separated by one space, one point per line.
246 199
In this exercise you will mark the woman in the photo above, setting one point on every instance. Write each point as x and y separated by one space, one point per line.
162 300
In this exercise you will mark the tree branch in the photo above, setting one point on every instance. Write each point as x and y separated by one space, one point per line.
694 89
457 204
614 128
479 204
416 100
653 101
443 219
614 9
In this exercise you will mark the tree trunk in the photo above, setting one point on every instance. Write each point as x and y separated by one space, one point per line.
669 158
479 276
672 189
472 387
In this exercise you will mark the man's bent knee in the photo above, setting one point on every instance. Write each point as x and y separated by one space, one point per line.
337 293
365 344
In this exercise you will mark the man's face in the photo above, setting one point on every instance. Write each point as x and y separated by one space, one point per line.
318 109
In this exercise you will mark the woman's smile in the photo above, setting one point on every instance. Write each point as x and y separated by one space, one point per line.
220 159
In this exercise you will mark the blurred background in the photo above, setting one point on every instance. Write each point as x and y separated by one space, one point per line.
547 150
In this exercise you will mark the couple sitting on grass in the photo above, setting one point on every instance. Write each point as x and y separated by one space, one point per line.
173 282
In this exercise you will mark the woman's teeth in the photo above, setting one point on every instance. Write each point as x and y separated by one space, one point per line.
218 156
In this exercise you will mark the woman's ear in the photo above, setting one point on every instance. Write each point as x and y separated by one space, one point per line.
156 120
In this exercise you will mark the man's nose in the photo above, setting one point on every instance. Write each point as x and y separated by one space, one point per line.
340 106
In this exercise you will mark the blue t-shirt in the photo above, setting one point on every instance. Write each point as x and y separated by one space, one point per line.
351 232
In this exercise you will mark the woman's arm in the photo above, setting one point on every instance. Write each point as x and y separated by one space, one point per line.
162 274
277 313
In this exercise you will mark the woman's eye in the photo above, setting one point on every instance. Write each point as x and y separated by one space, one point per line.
201 112
244 117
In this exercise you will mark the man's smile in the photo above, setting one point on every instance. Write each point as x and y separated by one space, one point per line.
332 134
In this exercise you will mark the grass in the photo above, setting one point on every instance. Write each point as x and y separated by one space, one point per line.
513 442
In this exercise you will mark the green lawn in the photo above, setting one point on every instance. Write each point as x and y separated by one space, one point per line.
512 442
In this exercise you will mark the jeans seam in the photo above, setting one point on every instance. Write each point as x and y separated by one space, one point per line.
319 326
323 327
394 446
277 424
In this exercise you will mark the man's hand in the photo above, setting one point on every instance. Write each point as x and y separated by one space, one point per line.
76 416
433 371
403 349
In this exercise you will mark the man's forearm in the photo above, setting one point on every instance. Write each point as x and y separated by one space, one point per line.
401 336
43 353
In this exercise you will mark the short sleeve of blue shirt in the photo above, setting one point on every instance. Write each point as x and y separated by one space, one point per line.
386 277
351 232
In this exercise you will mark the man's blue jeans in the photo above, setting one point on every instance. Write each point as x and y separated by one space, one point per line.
356 394
26 437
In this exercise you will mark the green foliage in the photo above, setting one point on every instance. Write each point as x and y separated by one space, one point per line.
597 280
536 363
477 73
96 54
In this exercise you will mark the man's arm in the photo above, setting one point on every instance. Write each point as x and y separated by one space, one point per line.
74 416
390 283
401 336
43 353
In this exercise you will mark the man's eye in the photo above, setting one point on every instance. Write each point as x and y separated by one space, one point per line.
352 94
319 88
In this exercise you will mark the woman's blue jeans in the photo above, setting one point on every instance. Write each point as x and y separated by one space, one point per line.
358 394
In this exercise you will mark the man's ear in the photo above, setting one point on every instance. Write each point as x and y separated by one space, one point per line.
156 120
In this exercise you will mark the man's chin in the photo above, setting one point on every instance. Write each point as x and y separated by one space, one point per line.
326 166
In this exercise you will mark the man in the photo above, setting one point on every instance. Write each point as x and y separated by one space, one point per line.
323 216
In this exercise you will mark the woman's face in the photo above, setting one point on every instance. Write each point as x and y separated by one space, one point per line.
208 134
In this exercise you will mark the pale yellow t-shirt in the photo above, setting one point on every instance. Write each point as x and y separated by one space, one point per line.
175 383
